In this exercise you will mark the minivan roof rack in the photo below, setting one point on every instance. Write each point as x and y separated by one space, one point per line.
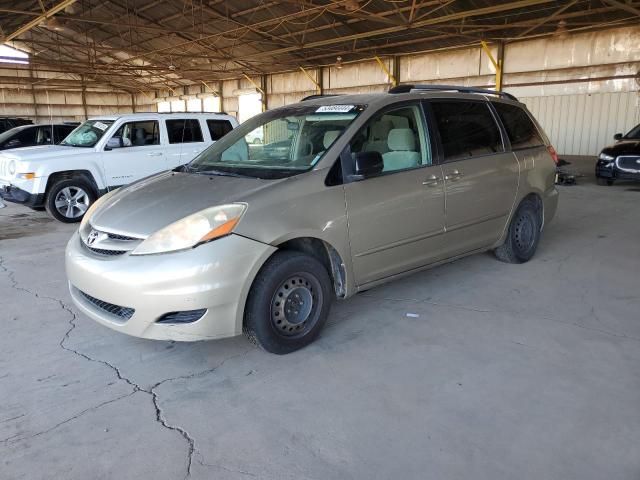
170 113
448 88
326 95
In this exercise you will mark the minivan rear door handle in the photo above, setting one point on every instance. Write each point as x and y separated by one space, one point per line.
431 181
154 154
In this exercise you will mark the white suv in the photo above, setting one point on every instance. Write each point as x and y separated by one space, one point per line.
103 154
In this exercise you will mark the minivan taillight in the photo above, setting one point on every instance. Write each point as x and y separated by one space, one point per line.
554 154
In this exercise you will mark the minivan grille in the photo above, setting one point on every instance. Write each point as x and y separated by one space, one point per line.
125 313
101 251
115 236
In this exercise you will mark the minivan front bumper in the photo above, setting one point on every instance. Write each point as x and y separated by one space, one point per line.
215 277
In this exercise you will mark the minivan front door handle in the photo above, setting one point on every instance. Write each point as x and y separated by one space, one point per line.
431 181
154 154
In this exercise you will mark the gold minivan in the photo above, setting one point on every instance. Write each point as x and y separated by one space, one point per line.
343 193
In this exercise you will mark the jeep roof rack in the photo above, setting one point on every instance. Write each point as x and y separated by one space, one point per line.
409 88
326 95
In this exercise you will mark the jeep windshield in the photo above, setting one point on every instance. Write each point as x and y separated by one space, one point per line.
277 144
87 134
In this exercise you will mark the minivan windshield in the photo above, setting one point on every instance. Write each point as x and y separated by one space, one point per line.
278 143
87 134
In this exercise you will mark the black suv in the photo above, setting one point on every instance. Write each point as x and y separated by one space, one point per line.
7 123
32 135
620 161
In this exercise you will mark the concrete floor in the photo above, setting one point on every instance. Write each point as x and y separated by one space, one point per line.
505 371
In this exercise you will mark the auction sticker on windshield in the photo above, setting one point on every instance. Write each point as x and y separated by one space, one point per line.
335 108
101 126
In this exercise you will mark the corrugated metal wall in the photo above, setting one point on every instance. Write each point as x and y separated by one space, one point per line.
581 124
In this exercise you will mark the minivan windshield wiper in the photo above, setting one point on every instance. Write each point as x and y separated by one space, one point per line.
219 173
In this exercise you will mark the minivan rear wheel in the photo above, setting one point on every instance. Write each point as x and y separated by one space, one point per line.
288 303
523 235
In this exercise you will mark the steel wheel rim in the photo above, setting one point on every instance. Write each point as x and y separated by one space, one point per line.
525 233
72 202
295 306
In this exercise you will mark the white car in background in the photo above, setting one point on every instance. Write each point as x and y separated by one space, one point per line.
103 154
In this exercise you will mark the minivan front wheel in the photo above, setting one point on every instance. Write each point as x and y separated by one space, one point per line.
523 235
288 303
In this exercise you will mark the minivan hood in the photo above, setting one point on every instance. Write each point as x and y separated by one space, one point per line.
145 207
42 152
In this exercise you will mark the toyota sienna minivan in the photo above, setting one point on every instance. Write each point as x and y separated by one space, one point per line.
343 193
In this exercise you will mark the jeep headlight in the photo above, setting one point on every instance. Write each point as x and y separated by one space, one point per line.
606 158
191 231
12 167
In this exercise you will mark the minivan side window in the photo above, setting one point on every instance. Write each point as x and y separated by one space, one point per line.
219 128
184 131
138 134
467 129
520 128
399 135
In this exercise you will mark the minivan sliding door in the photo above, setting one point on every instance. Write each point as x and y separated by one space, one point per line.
480 177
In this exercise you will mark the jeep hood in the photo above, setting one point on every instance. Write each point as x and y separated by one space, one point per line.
42 152
146 206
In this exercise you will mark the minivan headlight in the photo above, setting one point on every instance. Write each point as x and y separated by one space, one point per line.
605 157
201 227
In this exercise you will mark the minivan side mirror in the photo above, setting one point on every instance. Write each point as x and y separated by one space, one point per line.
617 136
367 163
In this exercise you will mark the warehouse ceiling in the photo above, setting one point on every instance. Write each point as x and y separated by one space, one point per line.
154 44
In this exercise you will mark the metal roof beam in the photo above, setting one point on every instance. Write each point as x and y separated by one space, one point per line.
624 6
39 19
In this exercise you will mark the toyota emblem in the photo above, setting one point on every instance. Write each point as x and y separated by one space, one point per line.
93 236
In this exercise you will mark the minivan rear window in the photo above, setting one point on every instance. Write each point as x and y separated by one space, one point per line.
520 129
467 129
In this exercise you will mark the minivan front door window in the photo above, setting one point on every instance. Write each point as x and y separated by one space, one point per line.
278 143
398 135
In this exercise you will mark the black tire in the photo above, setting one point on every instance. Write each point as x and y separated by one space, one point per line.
67 189
288 302
523 235
604 181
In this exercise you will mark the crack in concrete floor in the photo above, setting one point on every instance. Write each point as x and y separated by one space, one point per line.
159 415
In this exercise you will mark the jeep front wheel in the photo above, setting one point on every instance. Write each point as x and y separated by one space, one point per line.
68 200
